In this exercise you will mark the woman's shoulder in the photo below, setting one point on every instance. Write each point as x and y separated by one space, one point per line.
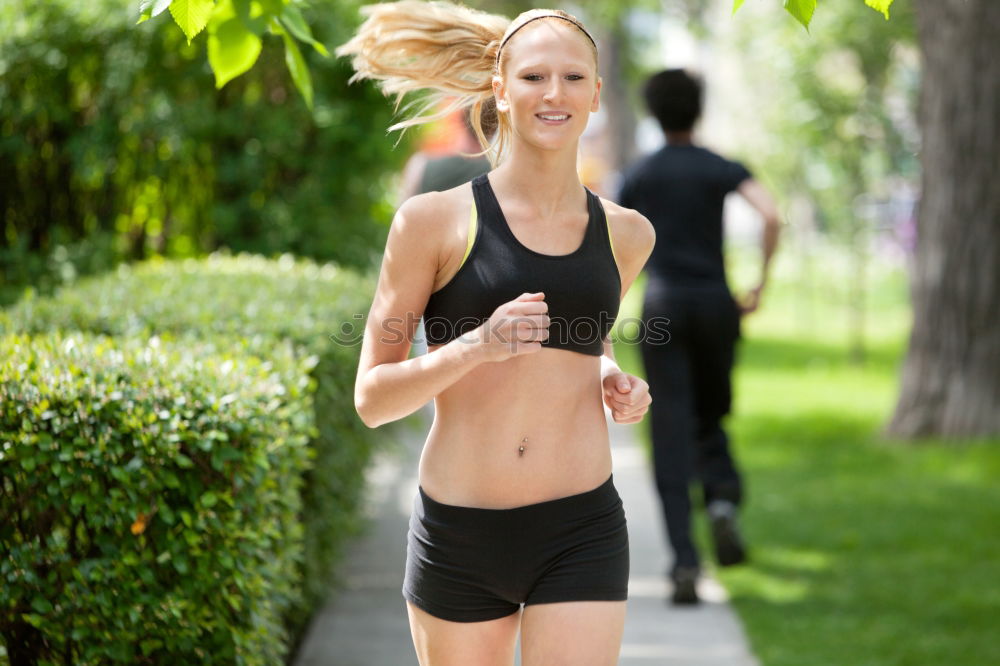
434 211
432 224
631 233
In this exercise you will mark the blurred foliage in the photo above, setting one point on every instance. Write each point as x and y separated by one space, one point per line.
802 10
235 28
115 145
835 109
832 132
251 304
151 499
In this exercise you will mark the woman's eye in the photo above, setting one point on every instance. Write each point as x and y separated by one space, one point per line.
539 77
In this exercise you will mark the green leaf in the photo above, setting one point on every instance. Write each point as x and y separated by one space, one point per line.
41 605
736 5
802 10
192 15
292 19
32 619
297 68
150 8
232 48
880 6
153 7
254 14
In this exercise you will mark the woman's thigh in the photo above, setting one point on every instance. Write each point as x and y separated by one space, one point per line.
443 643
575 633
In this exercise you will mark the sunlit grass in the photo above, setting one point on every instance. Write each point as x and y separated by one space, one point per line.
865 550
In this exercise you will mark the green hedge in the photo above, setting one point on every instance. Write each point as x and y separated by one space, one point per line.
258 304
150 499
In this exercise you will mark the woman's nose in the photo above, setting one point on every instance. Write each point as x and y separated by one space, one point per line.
552 91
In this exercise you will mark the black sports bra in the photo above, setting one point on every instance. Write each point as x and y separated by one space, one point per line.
582 288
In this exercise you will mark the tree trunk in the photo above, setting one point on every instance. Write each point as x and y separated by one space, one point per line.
951 376
614 95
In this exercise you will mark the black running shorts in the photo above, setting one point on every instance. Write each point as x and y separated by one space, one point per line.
468 564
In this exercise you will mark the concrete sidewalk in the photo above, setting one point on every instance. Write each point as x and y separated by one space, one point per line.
364 623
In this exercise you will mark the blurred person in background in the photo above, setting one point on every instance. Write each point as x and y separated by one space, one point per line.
681 189
459 163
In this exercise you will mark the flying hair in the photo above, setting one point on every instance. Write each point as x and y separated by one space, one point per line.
450 51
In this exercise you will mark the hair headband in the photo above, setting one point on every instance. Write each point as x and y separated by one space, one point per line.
535 18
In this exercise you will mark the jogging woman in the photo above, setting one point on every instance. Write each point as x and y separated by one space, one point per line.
517 525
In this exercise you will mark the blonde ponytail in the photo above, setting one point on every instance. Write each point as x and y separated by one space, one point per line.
448 49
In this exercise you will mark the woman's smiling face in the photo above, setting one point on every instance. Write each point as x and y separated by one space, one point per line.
548 85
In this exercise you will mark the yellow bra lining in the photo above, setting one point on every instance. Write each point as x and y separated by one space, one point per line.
611 242
472 234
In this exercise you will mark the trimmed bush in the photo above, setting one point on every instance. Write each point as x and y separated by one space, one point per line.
150 494
260 304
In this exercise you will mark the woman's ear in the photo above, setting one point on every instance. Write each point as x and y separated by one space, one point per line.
596 104
500 95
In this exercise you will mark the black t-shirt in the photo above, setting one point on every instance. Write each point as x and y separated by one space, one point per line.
681 190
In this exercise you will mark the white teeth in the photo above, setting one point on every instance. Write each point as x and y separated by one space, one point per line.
553 117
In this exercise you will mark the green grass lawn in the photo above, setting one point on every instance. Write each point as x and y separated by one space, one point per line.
865 551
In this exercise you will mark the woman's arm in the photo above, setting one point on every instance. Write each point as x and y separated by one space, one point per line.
389 386
626 395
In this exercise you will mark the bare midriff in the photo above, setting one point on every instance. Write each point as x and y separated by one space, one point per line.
524 430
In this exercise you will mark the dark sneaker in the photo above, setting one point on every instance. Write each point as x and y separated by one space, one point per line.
729 547
685 580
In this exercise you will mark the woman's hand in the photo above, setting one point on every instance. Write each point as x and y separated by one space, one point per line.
627 396
515 327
